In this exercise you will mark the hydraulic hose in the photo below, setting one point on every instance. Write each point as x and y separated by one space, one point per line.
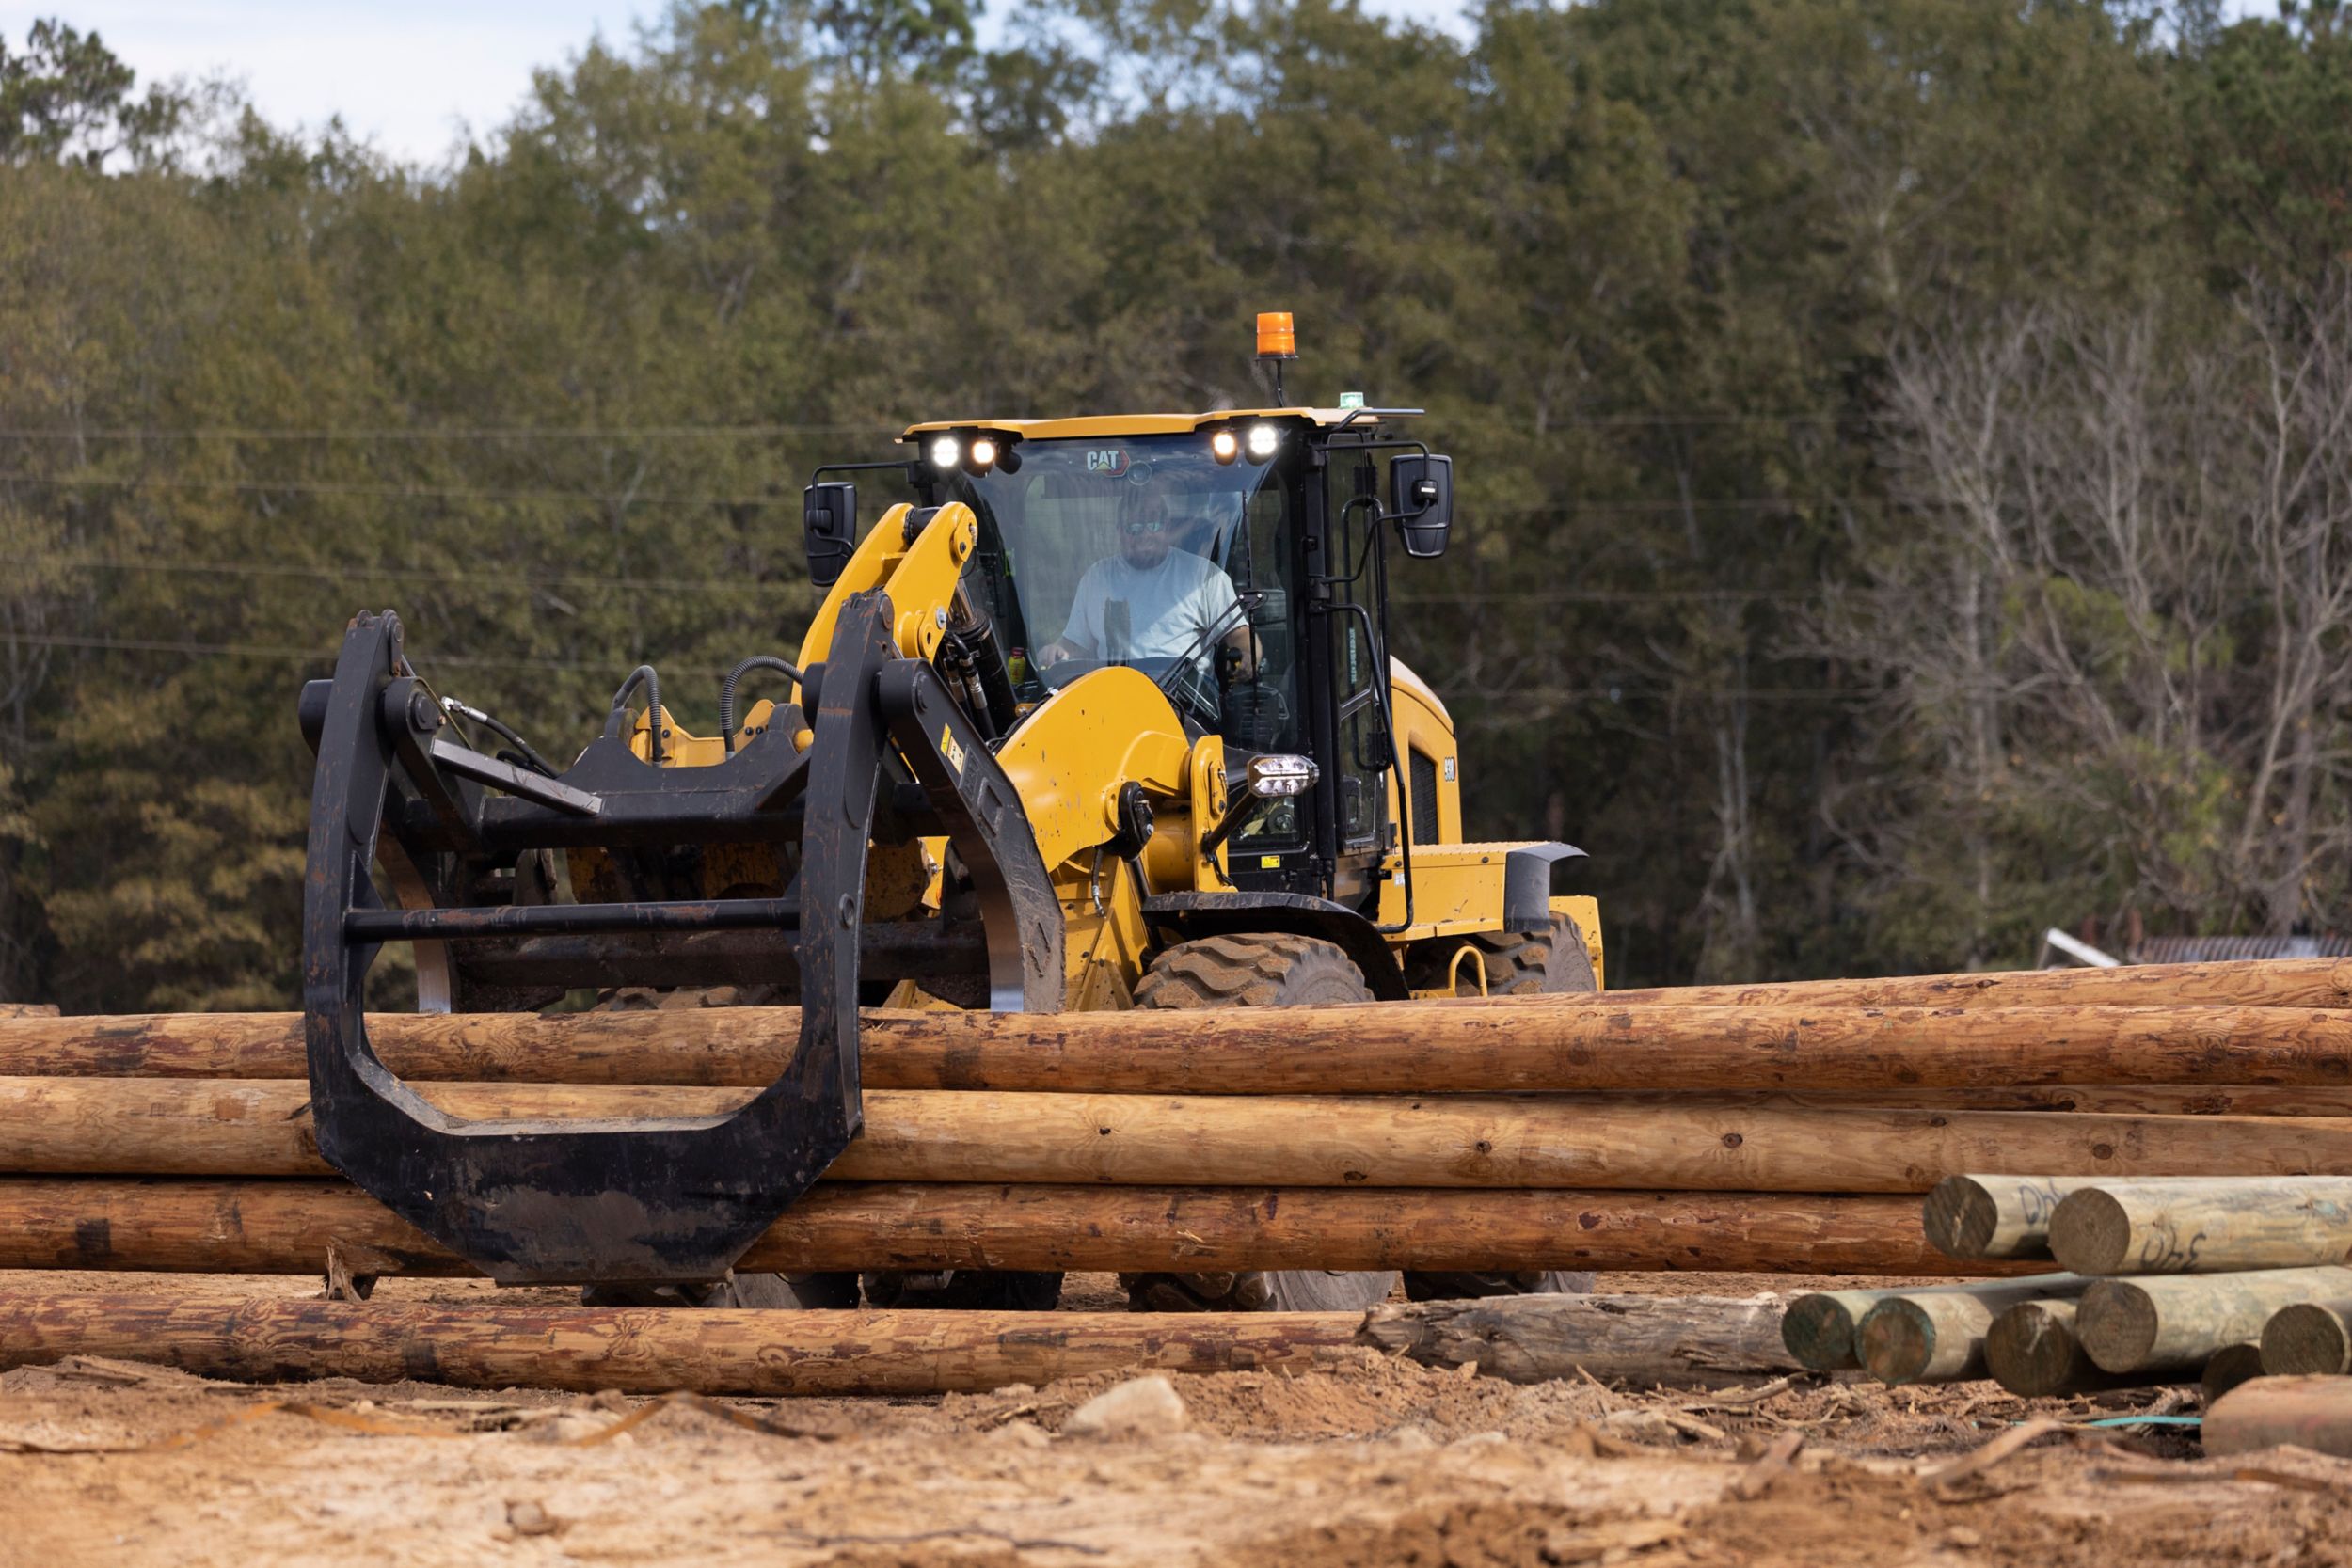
643 675
727 690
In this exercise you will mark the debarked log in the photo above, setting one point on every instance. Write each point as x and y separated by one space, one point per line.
2176 1321
1505 1045
1994 1216
1938 1336
653 1350
2032 1350
1686 1341
2235 982
2313 1413
2215 1226
289 1227
1676 1341
159 1127
2308 1339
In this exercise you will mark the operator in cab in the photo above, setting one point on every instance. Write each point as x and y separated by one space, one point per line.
1151 601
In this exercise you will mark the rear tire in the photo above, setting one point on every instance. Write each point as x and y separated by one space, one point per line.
1420 1286
1259 970
965 1290
1516 963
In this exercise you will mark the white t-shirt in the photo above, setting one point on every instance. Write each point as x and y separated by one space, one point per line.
1124 613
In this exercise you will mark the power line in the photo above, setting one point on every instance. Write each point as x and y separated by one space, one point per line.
446 433
1625 595
751 431
620 579
386 492
320 655
445 492
1556 695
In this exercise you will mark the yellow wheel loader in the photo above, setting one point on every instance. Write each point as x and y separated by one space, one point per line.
1098 714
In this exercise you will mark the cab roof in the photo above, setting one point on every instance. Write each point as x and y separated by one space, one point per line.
1092 425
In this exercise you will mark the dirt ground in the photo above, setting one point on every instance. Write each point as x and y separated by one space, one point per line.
1365 1460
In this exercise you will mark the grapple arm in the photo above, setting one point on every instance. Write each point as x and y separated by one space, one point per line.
655 1200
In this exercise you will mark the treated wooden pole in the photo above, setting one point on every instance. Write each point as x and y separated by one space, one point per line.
652 1350
1994 1216
1509 1045
2309 1338
286 1227
2031 1349
2256 983
2225 1368
1938 1336
1817 1328
1672 1341
2202 1226
2313 1413
165 1127
2176 1321
2127 1100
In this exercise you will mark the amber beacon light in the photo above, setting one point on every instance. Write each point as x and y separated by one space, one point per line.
1277 338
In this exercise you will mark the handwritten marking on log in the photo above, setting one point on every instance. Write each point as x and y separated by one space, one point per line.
2202 1226
1994 1216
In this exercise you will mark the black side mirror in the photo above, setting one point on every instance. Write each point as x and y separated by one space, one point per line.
829 528
1420 499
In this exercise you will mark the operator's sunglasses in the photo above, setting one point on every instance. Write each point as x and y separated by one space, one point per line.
1144 525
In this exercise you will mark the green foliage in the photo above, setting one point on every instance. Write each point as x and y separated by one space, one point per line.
67 97
1653 265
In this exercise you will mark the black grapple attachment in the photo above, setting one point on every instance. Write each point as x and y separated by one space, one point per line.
464 840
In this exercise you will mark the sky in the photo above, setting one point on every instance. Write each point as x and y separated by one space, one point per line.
411 77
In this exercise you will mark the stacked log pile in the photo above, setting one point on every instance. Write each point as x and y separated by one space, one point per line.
2204 1279
1783 1128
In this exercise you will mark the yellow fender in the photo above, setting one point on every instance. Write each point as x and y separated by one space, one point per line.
1107 728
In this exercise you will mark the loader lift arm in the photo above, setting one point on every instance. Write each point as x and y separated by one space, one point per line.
673 1201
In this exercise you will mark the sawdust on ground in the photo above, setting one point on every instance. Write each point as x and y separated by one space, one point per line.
1364 1459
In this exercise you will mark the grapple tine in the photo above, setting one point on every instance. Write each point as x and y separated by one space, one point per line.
654 1201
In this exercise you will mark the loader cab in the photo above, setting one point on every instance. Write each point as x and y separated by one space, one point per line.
1238 560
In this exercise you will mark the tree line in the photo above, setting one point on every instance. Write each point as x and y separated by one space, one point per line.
1905 493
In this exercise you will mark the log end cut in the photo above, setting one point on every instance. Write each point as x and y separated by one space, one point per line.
1817 1329
1896 1340
2031 1349
2307 1339
2090 1232
1961 1216
2117 1324
2228 1367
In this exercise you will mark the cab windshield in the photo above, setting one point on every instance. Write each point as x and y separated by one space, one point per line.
1148 552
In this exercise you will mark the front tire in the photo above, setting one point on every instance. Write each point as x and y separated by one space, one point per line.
1259 970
